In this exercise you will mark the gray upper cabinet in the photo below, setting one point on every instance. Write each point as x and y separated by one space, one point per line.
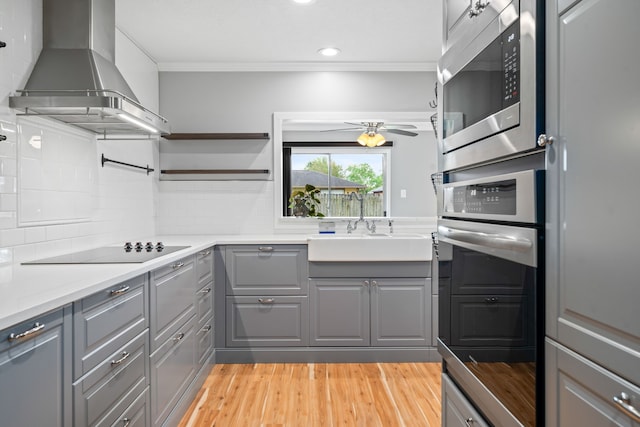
35 371
593 99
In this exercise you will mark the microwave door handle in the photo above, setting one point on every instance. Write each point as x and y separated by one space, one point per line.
490 240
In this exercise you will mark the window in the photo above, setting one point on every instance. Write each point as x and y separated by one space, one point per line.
337 172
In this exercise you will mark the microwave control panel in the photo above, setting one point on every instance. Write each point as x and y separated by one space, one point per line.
511 64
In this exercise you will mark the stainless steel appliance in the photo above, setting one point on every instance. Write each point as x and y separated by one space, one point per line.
492 87
491 290
127 254
75 79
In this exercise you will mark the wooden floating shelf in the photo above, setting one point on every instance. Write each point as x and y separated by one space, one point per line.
213 171
216 136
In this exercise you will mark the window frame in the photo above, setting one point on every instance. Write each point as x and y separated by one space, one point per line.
328 148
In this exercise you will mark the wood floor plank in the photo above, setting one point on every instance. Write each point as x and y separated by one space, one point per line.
318 395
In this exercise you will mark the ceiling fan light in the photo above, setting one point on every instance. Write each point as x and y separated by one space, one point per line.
371 140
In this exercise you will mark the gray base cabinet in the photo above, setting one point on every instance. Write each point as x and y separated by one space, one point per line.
35 371
457 411
266 303
378 312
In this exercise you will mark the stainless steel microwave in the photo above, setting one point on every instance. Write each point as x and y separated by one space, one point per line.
491 88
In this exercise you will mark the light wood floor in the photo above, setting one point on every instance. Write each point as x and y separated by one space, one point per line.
321 394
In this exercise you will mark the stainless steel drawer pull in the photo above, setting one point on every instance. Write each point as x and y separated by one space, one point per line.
37 327
178 337
124 356
120 291
205 253
624 402
177 265
205 290
265 248
491 300
126 422
266 300
469 421
205 328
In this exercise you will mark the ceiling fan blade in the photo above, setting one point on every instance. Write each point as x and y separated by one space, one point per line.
401 132
361 124
341 129
398 125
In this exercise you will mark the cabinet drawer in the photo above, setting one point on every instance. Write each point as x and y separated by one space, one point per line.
266 269
204 266
117 381
107 320
135 415
456 409
204 338
587 392
204 303
172 299
491 321
267 321
172 369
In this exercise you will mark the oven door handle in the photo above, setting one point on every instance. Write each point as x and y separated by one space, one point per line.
490 240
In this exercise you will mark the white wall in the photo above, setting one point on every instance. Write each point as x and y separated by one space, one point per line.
108 204
245 102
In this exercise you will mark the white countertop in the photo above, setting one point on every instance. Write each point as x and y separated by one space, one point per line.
30 290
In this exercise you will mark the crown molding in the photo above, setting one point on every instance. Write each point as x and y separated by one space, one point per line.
296 66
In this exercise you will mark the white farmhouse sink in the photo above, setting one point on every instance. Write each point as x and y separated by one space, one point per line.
369 247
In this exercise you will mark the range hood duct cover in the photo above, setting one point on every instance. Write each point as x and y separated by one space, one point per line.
75 79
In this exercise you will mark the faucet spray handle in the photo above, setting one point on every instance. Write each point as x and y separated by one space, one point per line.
390 226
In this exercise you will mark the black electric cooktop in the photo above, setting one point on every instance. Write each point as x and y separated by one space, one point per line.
110 255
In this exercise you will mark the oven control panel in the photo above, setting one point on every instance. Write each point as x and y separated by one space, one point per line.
513 197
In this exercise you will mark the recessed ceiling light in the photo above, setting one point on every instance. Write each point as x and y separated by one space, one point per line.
303 1
329 51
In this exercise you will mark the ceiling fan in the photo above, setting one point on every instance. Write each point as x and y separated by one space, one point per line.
371 136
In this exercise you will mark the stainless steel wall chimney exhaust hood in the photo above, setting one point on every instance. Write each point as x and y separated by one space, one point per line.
75 79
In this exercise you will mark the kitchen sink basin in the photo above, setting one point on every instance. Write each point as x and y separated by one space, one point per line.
369 247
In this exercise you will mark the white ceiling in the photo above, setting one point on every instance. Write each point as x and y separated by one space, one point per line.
282 35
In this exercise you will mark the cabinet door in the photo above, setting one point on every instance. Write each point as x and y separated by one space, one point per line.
339 311
274 321
456 409
35 373
592 182
400 312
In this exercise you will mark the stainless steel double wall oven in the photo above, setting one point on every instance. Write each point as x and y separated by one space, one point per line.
491 214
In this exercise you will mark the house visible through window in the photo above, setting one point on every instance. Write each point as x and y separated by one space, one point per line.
337 172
